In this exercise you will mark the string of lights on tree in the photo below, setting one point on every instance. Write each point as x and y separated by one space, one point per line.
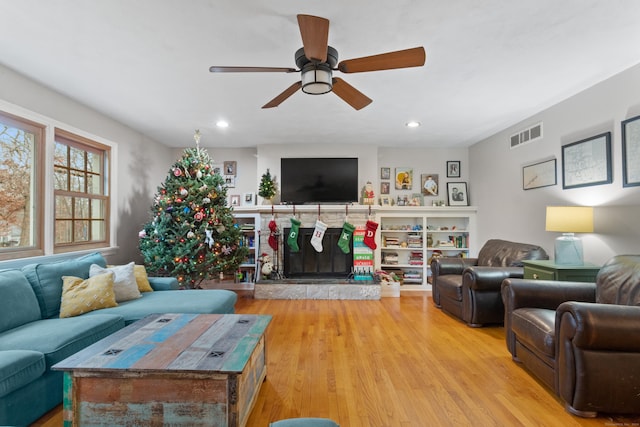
192 235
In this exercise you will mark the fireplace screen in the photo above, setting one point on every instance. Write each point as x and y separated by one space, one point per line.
308 263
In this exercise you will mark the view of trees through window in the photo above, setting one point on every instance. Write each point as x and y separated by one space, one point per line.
80 194
19 142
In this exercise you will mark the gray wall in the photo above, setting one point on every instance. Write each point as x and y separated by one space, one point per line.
140 166
507 211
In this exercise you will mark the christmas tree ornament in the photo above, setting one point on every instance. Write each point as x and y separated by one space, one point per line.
191 235
199 174
273 240
370 234
208 240
206 201
344 243
183 192
318 235
292 238
177 172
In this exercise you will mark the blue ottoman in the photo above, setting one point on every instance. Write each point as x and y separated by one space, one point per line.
304 422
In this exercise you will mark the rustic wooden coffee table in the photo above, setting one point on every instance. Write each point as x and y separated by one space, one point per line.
169 369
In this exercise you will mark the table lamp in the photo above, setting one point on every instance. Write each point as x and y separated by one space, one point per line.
569 220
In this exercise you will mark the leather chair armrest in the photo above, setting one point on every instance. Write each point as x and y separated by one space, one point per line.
482 278
604 327
441 266
549 294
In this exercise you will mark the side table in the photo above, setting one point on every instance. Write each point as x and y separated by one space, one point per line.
548 270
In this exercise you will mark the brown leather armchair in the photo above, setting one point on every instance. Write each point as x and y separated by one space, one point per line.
469 288
582 340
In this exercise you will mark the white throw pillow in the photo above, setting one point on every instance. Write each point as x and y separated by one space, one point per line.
124 284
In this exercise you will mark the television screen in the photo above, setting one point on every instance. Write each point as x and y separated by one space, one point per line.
319 180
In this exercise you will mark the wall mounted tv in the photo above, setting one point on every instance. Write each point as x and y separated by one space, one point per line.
319 180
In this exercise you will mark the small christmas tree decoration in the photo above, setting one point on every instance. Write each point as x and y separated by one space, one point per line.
267 188
191 235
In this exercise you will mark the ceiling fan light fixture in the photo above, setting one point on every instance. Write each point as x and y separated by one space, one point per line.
317 79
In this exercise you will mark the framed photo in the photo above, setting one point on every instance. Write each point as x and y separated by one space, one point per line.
249 199
587 162
385 200
457 193
235 200
429 182
230 168
416 200
541 174
404 178
385 173
217 168
229 181
385 187
631 152
453 169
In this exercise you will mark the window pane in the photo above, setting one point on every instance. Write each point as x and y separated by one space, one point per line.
77 181
97 209
94 184
61 179
60 155
63 207
94 162
17 186
80 231
82 208
63 231
97 231
77 158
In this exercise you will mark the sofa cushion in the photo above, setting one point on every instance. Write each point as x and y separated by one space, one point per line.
142 279
18 368
214 301
503 253
18 302
46 279
124 282
535 327
57 338
82 296
618 281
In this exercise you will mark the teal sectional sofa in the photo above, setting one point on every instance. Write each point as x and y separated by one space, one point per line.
33 337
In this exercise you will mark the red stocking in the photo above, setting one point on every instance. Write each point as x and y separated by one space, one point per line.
273 242
370 234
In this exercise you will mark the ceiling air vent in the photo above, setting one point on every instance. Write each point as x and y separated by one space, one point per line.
527 135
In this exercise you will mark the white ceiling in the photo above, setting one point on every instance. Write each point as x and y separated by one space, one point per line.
490 64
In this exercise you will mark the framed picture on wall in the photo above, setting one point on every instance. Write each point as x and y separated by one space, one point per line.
230 168
631 152
541 174
429 183
404 178
457 193
587 162
385 173
385 187
235 200
453 169
249 199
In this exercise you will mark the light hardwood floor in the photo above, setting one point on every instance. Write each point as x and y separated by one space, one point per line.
394 362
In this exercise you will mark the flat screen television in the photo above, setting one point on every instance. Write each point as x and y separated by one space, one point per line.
318 180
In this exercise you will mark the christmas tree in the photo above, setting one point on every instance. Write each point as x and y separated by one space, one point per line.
267 188
192 236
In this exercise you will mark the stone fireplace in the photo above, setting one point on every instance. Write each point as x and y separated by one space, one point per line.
309 263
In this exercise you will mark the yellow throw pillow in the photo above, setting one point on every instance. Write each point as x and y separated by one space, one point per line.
81 296
142 279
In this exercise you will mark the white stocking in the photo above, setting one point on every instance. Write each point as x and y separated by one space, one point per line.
318 235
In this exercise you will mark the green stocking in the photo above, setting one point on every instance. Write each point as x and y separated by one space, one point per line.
292 239
345 238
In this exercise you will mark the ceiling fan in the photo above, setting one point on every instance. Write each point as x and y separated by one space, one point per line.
316 61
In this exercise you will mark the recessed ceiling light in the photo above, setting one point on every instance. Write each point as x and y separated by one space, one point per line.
413 124
222 124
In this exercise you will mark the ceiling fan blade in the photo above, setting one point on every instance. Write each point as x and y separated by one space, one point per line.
414 57
350 94
315 37
284 95
216 69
